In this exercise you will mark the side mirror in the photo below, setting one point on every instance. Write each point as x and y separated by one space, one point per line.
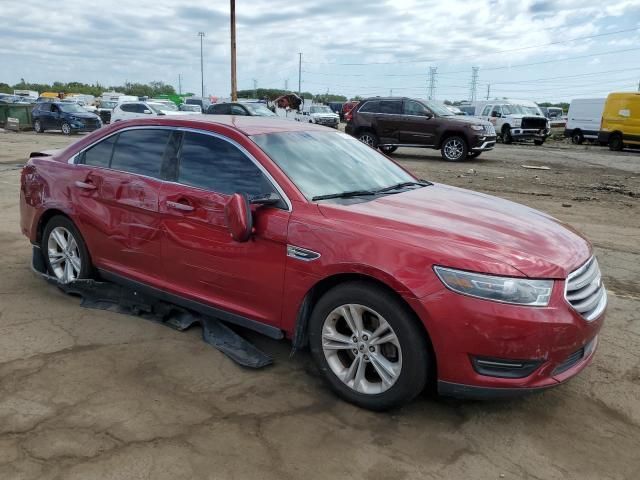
238 218
429 115
147 111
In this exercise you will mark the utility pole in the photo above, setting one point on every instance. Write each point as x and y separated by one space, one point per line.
300 74
488 90
179 84
432 82
234 84
255 88
201 35
474 83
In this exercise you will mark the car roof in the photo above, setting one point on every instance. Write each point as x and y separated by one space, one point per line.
248 125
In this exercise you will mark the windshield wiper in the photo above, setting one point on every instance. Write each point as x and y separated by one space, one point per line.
353 193
398 186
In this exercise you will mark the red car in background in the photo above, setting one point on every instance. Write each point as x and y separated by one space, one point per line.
297 230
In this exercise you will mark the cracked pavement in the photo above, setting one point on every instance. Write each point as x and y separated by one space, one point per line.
87 394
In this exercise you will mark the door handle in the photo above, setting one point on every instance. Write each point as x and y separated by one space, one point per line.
180 206
85 185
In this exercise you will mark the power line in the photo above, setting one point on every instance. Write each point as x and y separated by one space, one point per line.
558 42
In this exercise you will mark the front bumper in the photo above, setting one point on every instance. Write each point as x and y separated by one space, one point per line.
529 134
462 329
483 143
85 127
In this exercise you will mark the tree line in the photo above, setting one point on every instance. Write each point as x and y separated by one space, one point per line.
150 89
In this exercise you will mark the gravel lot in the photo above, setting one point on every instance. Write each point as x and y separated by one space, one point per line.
89 394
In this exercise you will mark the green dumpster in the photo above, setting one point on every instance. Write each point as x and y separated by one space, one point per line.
15 110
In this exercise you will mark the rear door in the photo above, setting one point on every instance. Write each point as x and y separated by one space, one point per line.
202 261
388 119
119 205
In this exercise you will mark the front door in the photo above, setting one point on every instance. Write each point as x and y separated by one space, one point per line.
201 260
118 209
418 125
388 119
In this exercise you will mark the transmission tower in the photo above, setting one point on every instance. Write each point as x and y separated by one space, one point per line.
432 82
474 83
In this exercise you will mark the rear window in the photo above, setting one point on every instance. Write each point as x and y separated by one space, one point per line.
391 106
140 151
370 107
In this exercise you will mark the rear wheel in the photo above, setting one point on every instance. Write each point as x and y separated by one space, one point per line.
64 250
66 128
454 149
368 346
577 137
388 149
615 142
37 126
368 138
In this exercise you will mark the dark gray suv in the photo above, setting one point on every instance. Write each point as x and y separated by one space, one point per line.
392 122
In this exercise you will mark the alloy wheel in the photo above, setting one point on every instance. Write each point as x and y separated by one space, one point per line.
64 255
453 149
66 129
37 126
367 139
361 349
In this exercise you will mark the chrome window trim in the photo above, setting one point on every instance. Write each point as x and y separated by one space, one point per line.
74 158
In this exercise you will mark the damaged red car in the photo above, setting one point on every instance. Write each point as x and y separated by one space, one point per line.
296 230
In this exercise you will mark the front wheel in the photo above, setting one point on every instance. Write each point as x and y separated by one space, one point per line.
368 346
388 149
615 142
454 149
506 136
538 142
64 250
66 128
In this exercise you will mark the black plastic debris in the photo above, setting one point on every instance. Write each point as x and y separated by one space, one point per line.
115 298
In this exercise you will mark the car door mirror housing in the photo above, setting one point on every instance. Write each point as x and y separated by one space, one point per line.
429 115
238 217
147 111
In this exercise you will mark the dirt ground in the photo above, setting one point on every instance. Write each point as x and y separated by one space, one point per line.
89 394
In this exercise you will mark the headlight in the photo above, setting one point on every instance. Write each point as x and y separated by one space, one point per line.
519 291
478 128
517 122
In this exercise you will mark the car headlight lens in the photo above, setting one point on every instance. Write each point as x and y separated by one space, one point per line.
477 128
517 123
519 291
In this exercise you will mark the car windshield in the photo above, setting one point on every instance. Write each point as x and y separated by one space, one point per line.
190 108
108 104
157 107
513 109
71 108
437 108
259 109
168 106
326 163
321 109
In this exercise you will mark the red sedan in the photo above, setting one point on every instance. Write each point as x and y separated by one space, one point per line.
298 230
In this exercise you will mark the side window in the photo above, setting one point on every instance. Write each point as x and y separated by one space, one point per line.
55 109
370 107
237 110
391 106
140 151
497 110
214 164
128 107
222 109
100 154
486 111
413 108
141 107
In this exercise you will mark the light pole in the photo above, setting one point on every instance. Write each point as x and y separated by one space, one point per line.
201 35
234 86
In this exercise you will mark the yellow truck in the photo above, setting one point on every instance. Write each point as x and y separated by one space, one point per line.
621 121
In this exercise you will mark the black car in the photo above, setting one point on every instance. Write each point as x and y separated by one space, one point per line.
68 117
392 122
254 109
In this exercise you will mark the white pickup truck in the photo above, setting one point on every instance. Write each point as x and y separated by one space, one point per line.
515 120
320 114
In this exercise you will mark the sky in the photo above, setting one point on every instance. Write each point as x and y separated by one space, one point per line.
543 50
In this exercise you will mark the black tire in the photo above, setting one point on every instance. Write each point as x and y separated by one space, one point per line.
37 126
577 137
368 138
66 128
454 149
506 135
86 269
615 142
474 154
538 142
414 345
388 150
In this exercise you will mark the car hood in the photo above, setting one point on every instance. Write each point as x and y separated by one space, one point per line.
468 230
467 120
82 115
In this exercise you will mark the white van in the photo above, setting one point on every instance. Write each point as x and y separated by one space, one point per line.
584 119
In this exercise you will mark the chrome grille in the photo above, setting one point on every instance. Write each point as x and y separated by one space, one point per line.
489 130
585 290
